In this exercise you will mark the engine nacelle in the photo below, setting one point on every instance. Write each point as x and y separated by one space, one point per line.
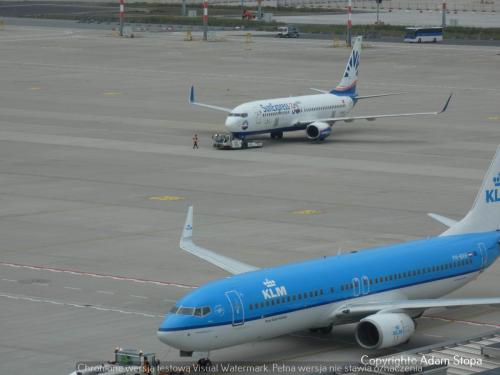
318 131
380 331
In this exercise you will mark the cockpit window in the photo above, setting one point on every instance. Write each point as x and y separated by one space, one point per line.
198 311
174 309
238 115
186 311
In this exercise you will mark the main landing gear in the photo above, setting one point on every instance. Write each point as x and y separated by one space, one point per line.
276 135
323 330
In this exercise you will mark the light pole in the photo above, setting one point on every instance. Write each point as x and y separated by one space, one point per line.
443 22
349 23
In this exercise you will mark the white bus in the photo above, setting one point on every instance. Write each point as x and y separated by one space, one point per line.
423 34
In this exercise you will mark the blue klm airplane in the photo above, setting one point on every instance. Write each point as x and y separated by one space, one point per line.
382 289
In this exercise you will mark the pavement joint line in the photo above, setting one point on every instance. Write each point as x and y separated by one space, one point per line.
105 292
98 275
72 288
462 321
136 296
10 280
161 73
78 305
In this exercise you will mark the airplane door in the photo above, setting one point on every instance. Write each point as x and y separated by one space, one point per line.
365 289
237 307
258 118
356 287
484 254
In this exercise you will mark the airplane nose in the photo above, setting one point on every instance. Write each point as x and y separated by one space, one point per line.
167 338
167 333
231 123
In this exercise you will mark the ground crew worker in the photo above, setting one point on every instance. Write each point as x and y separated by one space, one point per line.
146 366
195 141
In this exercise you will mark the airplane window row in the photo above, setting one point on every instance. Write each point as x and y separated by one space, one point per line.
281 300
411 273
287 299
323 108
275 113
198 311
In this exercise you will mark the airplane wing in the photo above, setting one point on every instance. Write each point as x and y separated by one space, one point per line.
194 102
230 265
362 96
443 219
373 117
368 308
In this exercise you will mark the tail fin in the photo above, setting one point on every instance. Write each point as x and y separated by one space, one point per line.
484 215
347 85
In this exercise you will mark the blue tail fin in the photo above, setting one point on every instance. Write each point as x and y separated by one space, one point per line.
347 85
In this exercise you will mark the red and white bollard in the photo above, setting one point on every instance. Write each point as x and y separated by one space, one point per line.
205 19
349 23
122 14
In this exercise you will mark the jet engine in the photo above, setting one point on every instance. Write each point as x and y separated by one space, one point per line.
384 330
318 131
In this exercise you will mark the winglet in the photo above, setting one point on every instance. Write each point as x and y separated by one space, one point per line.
191 95
187 232
446 105
443 219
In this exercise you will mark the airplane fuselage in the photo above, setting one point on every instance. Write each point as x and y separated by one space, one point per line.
276 301
285 114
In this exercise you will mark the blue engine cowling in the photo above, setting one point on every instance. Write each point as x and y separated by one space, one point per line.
318 131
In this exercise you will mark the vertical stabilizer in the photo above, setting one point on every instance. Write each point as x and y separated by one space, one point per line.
484 215
347 85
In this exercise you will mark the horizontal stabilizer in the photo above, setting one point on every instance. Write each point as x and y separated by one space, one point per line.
319 90
379 95
192 101
443 219
230 265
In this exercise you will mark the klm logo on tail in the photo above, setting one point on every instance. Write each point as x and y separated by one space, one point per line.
493 195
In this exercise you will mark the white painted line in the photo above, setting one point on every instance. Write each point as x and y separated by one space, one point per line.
428 334
78 305
98 275
142 297
105 292
10 280
72 288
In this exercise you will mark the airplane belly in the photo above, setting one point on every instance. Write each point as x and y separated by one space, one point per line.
218 337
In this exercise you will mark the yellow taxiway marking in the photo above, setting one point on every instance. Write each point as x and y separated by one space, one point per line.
112 93
307 212
167 198
494 118
35 88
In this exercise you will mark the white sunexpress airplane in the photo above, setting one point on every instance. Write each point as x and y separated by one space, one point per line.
383 289
315 114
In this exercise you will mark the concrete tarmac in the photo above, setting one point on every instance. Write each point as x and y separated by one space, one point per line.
97 171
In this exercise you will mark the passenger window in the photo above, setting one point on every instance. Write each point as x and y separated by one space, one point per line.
332 290
249 307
